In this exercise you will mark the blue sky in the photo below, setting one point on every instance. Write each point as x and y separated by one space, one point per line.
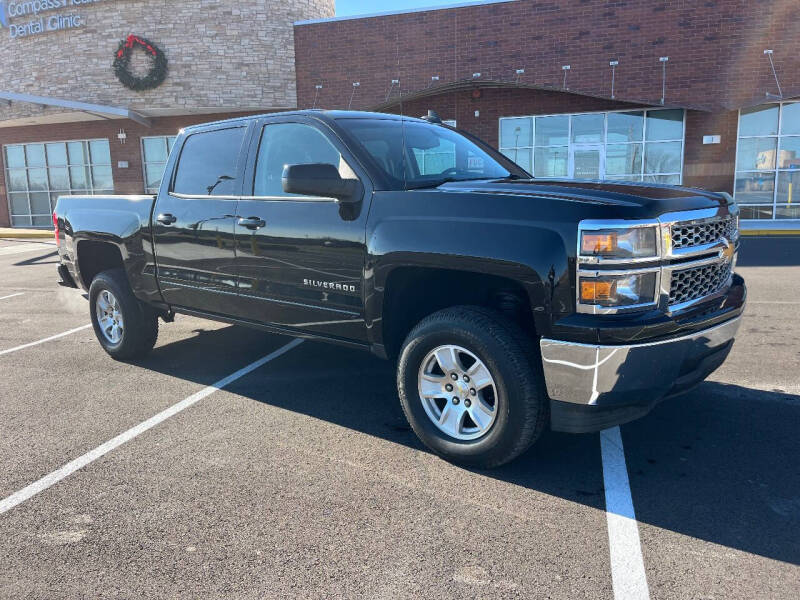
346 8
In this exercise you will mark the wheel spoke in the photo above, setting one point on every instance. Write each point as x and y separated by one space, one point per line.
447 357
452 418
430 386
481 414
480 375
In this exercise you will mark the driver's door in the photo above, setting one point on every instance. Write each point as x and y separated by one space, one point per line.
300 259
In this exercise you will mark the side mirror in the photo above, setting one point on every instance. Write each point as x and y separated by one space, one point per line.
319 179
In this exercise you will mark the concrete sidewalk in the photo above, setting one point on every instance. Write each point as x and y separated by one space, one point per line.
8 232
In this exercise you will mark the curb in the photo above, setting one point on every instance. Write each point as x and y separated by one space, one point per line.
769 232
26 235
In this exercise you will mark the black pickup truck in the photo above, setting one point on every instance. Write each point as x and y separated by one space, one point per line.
509 303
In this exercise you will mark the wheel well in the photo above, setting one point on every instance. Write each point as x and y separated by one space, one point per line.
96 257
412 293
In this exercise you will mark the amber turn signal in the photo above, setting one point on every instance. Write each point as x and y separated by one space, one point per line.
592 291
598 243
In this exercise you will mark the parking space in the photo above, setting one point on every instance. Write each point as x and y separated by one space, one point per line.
302 478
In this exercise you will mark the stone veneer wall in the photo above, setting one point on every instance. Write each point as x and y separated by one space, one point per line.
228 54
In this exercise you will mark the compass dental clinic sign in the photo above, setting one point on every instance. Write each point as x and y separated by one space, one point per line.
26 18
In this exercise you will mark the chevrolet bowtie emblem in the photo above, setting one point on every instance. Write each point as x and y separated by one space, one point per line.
727 251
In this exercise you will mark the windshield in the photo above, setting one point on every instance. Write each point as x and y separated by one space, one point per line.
433 155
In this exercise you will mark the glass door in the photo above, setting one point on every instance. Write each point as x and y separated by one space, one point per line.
587 161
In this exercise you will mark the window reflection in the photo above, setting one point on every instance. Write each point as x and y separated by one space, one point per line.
768 161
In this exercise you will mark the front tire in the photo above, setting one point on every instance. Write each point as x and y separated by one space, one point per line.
470 387
125 327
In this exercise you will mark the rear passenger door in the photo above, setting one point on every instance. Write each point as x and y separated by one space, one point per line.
194 218
300 259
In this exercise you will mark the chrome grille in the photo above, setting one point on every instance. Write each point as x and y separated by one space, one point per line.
697 282
687 235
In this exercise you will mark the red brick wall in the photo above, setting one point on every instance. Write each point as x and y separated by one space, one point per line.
715 49
710 166
126 181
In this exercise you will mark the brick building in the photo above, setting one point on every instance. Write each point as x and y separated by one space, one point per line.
62 108
717 113
535 79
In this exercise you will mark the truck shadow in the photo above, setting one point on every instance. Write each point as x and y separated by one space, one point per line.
39 260
718 464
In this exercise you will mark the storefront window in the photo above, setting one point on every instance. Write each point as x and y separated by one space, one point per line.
155 151
768 162
37 174
633 145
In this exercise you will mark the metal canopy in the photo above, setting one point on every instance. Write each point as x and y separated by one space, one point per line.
94 109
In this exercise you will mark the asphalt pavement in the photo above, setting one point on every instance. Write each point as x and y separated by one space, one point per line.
301 479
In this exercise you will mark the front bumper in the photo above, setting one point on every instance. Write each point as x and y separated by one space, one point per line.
592 387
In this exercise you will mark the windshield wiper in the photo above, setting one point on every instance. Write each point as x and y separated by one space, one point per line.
437 182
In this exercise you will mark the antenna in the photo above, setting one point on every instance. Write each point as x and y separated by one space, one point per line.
402 117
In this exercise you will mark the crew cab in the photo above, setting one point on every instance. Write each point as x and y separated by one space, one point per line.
508 303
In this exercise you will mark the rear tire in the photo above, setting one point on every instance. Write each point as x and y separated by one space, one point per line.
125 327
515 407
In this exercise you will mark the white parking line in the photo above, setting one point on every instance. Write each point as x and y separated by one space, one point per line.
627 566
52 337
91 456
12 296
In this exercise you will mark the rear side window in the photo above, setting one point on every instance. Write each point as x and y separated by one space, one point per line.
207 165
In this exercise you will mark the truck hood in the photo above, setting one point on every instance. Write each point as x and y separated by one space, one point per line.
652 197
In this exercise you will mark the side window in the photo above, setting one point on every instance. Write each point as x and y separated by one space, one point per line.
292 144
207 165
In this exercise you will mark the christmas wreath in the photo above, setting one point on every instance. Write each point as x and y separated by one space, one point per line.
158 64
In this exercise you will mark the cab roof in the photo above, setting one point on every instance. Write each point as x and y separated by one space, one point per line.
324 115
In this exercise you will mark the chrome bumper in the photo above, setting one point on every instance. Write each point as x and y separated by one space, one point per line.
589 374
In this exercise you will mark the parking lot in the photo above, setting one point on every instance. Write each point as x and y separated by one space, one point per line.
301 478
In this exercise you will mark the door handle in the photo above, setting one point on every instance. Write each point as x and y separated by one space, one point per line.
252 222
166 219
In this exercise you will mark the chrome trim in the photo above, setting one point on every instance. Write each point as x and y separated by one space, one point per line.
264 298
266 198
592 374
596 309
597 225
710 253
666 282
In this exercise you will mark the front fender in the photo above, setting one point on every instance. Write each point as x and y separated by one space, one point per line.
531 253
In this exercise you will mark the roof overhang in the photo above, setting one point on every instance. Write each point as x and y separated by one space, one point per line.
96 110
468 84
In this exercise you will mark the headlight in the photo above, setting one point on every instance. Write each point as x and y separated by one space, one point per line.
618 290
634 242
